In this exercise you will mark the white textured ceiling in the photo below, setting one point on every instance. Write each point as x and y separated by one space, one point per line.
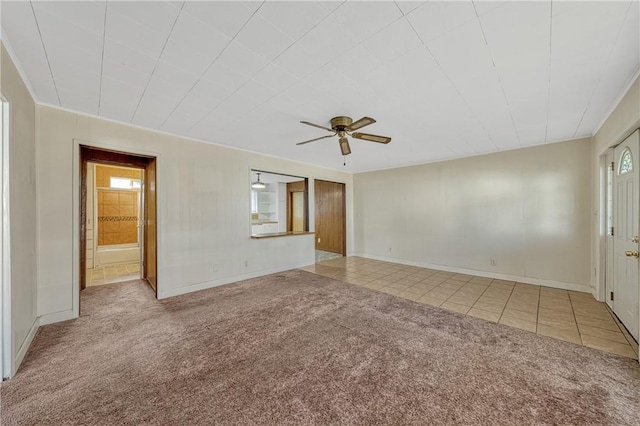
443 79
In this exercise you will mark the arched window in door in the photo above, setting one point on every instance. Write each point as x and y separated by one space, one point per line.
626 162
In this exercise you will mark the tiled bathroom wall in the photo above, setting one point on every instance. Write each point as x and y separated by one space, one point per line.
118 209
117 217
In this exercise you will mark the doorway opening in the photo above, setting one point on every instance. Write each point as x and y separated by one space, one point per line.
297 206
330 220
278 203
114 231
117 218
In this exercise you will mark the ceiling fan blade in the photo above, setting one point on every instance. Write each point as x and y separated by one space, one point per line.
371 138
344 146
316 139
317 125
364 121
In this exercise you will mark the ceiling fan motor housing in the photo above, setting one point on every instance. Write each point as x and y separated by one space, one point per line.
339 124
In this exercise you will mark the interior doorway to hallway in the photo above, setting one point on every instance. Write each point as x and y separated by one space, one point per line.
117 217
114 237
330 220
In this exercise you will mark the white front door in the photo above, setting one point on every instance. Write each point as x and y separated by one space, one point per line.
625 243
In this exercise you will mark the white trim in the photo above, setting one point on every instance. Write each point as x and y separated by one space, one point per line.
190 138
11 52
25 346
460 157
228 280
75 303
5 248
57 317
621 96
585 288
221 145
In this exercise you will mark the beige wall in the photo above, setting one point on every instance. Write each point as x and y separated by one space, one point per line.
203 209
622 121
529 209
22 201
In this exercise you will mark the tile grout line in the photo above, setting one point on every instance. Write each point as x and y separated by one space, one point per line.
622 330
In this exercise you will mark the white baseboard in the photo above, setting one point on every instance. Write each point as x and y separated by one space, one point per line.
215 283
488 274
25 346
57 317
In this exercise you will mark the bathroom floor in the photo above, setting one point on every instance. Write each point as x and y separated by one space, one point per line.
110 274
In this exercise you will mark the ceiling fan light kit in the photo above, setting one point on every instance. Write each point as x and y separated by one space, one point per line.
343 126
344 146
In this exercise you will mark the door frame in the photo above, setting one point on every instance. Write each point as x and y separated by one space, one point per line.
606 244
624 242
105 158
77 206
601 259
6 331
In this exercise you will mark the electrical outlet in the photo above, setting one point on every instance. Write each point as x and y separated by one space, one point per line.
215 267
319 240
493 262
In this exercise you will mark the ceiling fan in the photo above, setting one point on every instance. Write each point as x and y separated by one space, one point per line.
343 126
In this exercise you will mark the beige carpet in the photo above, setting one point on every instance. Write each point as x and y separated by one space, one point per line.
298 348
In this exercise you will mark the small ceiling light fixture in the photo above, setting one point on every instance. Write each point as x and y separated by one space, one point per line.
257 184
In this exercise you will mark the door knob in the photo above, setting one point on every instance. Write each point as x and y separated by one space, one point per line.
635 239
633 253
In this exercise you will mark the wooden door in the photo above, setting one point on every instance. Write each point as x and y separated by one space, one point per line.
330 212
626 298
150 226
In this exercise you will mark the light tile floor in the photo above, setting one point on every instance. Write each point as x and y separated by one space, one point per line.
566 315
322 255
110 274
